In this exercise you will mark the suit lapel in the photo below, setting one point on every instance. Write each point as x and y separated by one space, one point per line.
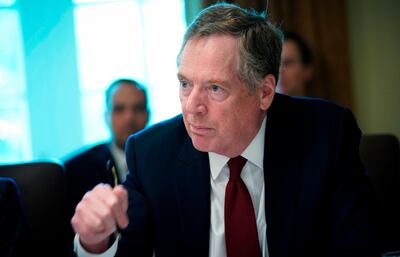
192 183
281 173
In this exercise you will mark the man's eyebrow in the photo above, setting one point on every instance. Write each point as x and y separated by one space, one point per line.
209 81
181 76
217 81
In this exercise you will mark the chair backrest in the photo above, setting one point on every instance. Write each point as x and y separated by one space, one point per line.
381 156
43 199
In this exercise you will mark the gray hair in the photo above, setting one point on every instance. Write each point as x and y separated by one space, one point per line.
259 41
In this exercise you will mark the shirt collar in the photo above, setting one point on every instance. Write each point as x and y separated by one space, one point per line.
119 157
253 153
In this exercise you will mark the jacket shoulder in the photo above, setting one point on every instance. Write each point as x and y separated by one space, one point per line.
87 154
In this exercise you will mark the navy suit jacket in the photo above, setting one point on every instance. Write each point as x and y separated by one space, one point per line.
317 195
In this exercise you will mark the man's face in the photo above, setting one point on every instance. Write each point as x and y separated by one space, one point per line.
293 74
220 114
128 112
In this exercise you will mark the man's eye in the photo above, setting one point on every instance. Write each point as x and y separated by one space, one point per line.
288 62
139 108
184 88
183 83
215 88
118 109
217 92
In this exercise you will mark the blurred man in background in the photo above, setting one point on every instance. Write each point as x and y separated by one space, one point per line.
126 114
296 70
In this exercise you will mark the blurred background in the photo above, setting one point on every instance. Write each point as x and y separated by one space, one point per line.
58 57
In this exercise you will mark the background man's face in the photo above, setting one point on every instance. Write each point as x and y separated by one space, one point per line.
128 112
293 73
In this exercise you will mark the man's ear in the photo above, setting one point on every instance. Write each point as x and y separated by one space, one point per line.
267 91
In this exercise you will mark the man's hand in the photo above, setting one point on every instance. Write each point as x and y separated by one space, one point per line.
98 215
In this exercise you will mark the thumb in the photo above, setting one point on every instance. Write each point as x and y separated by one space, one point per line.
121 215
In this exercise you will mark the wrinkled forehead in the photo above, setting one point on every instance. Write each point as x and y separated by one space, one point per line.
211 52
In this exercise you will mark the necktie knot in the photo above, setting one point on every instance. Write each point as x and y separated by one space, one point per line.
235 166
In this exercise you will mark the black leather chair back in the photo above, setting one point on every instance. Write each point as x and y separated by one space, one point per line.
381 157
43 198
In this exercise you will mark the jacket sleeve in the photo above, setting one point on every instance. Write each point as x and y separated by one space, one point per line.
137 239
353 211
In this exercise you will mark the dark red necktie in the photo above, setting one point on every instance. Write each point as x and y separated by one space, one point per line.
241 235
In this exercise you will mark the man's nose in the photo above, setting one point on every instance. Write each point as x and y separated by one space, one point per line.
196 101
129 114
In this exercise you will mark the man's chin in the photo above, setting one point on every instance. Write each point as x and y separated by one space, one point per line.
202 146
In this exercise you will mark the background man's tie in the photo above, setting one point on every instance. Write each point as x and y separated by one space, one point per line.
241 235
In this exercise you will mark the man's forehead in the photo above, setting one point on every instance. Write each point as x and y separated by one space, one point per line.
127 88
210 41
127 92
212 52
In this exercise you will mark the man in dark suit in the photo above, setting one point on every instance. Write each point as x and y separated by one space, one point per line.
243 171
10 218
126 114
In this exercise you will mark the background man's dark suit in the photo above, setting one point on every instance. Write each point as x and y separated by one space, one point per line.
317 197
84 171
87 169
10 218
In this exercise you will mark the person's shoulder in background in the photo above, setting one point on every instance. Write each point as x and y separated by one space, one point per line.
86 153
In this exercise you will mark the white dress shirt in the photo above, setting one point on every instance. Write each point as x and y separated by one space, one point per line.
119 156
252 175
